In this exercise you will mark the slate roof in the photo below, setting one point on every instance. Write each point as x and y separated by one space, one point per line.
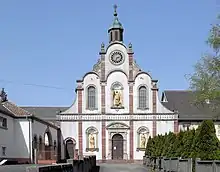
182 101
46 113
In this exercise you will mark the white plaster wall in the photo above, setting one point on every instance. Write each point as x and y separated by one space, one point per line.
109 66
98 126
73 108
217 129
7 138
137 124
70 129
128 144
165 127
15 138
93 80
106 143
161 108
22 136
142 79
122 78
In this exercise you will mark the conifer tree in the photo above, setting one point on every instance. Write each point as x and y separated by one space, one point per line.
178 144
206 145
187 143
170 138
148 151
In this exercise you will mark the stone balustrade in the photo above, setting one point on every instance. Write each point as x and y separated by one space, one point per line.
117 117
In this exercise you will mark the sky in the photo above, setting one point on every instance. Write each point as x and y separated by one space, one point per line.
46 45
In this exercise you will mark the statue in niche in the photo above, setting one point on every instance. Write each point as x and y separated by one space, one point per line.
117 99
117 95
91 141
142 141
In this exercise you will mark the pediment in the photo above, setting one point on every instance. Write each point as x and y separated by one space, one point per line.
117 126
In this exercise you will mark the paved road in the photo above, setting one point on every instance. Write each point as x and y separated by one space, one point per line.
122 168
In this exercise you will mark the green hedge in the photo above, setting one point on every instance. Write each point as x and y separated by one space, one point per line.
201 143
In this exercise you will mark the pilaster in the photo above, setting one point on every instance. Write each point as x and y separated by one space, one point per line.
131 99
103 84
154 98
80 132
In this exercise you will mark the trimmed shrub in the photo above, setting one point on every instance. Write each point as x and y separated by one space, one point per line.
187 143
148 151
171 149
201 143
169 140
178 145
206 145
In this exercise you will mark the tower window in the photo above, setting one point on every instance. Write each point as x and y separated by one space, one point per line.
121 36
116 35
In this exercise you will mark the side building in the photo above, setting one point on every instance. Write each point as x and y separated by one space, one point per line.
26 138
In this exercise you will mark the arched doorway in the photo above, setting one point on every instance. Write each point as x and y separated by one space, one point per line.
47 145
117 146
69 149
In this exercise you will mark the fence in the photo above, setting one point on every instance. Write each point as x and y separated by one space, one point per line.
180 165
88 164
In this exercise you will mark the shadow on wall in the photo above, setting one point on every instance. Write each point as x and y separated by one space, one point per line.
21 142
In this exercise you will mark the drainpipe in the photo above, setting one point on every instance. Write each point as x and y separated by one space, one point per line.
30 139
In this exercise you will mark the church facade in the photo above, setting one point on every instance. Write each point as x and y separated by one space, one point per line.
117 106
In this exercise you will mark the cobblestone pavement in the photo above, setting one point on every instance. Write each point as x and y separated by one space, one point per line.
122 168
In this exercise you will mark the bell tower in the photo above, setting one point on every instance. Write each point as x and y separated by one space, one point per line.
116 29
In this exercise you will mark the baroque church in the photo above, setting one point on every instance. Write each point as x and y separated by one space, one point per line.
117 107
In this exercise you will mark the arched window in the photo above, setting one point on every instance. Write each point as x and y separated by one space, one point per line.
142 97
46 139
91 99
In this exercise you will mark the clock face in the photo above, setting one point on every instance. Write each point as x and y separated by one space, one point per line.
116 57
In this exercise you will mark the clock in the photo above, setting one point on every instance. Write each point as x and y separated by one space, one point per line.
116 57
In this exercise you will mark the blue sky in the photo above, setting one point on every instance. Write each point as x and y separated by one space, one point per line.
53 42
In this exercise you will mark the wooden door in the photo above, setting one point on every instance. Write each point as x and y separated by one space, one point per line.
70 149
117 146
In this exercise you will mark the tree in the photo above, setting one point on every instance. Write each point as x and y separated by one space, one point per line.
188 139
169 140
206 145
178 144
205 81
148 151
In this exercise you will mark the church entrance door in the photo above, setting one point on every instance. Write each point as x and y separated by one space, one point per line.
117 146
